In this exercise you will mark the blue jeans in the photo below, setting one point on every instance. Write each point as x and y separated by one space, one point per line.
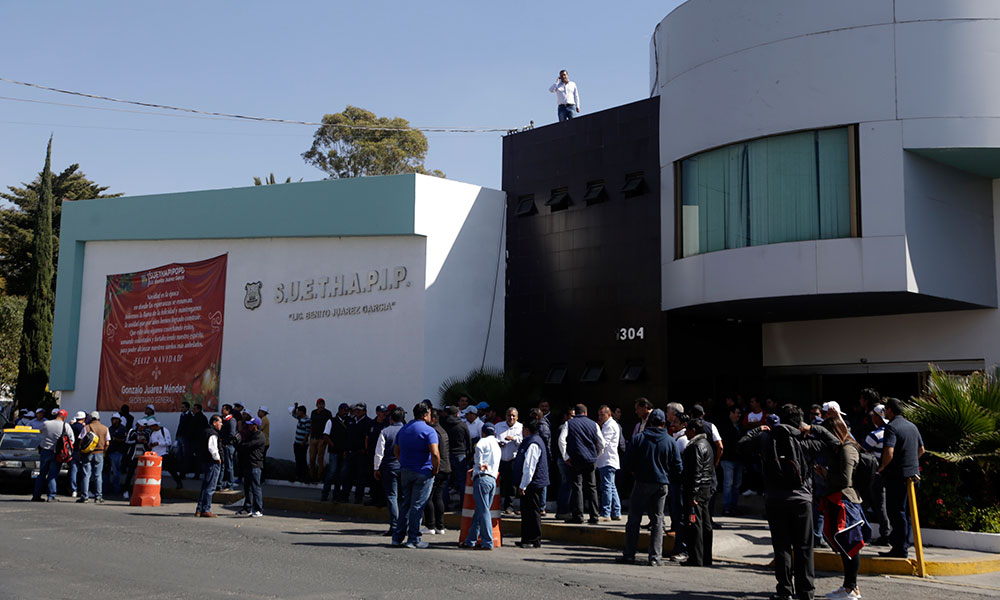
483 489
611 504
115 479
732 477
565 111
390 483
75 468
334 476
48 469
565 488
458 472
227 478
212 471
414 490
252 489
93 467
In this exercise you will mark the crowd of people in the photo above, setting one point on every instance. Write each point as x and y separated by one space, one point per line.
820 473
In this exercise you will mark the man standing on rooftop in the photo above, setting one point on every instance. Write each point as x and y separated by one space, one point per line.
567 96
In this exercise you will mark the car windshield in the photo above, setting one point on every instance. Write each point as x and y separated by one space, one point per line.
19 440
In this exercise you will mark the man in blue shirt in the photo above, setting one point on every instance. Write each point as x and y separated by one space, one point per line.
419 459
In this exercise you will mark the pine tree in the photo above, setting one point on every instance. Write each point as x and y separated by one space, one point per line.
36 331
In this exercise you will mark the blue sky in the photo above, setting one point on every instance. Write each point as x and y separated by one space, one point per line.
457 64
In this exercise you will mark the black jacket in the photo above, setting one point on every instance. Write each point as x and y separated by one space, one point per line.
818 441
699 465
459 441
251 450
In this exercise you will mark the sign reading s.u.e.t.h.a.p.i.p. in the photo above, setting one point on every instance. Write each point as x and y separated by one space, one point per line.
337 286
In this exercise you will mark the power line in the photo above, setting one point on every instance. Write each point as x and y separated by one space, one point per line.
121 110
254 118
185 131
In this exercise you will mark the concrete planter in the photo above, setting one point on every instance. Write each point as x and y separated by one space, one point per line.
962 540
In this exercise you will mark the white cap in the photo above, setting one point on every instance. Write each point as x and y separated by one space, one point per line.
40 411
151 422
54 411
79 415
471 409
264 408
827 406
879 410
151 407
29 413
95 415
118 416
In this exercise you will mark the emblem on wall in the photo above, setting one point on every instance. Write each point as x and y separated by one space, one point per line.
252 299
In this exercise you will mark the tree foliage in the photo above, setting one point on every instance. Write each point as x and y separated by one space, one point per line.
342 149
270 180
36 329
11 318
491 385
17 223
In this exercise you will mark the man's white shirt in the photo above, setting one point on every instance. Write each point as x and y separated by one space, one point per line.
487 453
509 449
566 93
612 433
531 456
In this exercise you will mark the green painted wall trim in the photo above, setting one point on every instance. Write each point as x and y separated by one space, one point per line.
984 162
343 207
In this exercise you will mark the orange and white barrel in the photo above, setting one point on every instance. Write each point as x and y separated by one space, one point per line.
146 488
469 509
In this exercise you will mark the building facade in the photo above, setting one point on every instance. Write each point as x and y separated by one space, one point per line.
828 185
583 292
370 290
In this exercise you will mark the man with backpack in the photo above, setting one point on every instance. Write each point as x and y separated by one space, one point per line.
55 448
786 456
92 448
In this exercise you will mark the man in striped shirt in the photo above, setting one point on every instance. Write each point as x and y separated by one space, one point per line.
301 445
876 496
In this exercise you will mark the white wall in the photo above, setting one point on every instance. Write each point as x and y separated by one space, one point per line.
266 357
465 283
966 335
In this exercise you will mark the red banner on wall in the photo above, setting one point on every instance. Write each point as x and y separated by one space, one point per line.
162 337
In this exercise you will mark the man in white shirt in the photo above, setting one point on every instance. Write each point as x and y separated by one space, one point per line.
608 464
475 423
509 435
485 468
532 470
567 96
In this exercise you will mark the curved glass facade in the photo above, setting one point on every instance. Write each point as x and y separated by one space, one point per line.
784 188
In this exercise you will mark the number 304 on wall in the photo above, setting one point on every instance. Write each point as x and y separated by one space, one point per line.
625 334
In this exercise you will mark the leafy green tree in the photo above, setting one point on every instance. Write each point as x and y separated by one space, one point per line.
11 317
36 328
959 421
17 223
491 385
357 143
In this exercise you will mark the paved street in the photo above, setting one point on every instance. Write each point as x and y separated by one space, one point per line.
68 550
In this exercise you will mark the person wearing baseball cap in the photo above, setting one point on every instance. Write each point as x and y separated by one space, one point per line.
76 465
251 453
874 443
832 409
38 419
92 478
52 431
116 451
25 417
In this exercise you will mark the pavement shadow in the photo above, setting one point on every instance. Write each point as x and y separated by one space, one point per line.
690 595
342 533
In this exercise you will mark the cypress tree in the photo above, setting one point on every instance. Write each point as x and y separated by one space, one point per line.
36 332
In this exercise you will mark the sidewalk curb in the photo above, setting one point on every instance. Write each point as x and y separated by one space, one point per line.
595 535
